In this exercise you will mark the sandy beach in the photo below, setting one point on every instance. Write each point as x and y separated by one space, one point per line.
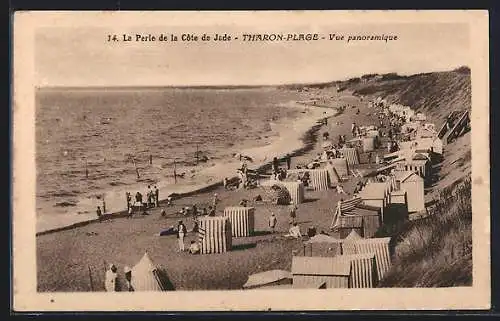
123 241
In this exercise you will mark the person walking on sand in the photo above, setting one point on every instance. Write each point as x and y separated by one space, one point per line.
157 196
272 222
129 199
181 232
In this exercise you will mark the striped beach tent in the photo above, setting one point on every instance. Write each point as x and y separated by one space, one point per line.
378 246
363 270
145 276
215 234
351 155
242 220
296 190
319 179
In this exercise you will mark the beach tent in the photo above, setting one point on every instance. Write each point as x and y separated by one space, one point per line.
376 194
348 244
397 210
145 276
215 234
242 220
413 184
351 155
268 278
312 272
318 178
371 218
296 190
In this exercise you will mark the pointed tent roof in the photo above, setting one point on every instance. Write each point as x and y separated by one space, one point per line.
145 277
353 236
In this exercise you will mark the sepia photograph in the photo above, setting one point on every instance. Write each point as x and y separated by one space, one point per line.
251 160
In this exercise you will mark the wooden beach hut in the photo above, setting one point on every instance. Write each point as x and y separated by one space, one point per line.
397 210
215 234
349 243
363 270
242 220
413 184
312 272
371 219
145 276
351 155
420 164
375 194
323 245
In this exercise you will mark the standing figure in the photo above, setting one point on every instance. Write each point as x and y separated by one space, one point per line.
157 196
128 278
215 201
99 213
288 161
181 232
110 281
293 212
272 222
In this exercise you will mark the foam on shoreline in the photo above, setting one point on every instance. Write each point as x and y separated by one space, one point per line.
289 141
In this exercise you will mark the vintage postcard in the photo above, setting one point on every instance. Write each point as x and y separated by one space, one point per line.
214 161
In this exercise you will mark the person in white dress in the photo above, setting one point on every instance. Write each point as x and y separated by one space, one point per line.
110 281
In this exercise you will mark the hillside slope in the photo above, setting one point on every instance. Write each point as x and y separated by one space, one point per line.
434 251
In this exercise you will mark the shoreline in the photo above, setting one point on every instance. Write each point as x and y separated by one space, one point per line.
294 137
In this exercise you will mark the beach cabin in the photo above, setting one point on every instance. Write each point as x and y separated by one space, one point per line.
242 220
348 223
419 164
315 272
270 278
413 184
363 270
379 246
215 234
296 190
375 194
323 245
371 216
397 210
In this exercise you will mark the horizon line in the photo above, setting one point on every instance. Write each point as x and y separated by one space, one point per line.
241 86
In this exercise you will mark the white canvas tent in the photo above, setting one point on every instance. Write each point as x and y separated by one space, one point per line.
145 276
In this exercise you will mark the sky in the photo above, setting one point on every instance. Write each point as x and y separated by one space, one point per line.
70 56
